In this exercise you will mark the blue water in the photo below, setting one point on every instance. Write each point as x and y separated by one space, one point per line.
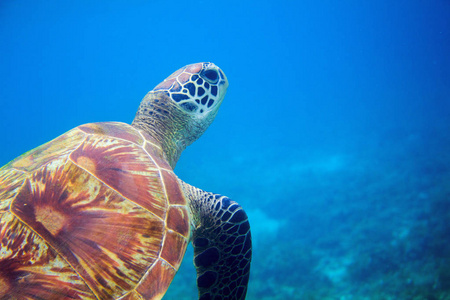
334 134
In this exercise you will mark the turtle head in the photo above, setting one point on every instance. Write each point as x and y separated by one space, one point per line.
179 109
198 89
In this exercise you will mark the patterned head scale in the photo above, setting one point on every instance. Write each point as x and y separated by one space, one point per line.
198 88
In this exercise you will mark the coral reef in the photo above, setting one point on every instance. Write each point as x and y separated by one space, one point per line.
371 223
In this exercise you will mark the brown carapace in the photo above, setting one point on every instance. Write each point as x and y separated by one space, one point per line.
85 215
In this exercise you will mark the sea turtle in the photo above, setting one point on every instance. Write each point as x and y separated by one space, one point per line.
98 213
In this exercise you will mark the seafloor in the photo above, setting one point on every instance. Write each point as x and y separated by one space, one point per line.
368 222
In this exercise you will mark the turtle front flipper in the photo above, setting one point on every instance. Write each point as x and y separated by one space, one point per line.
222 245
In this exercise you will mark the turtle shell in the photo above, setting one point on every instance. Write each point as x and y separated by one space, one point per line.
97 213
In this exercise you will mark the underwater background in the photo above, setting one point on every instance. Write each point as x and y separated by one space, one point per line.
334 134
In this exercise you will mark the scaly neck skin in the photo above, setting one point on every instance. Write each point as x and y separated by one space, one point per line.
163 120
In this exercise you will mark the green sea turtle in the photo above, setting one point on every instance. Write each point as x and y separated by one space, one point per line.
98 213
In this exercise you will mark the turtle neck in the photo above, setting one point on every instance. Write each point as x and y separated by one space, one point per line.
169 125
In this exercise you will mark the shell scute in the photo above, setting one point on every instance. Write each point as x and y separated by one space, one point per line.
126 168
133 295
10 182
173 248
107 239
174 193
157 155
178 220
29 268
156 281
48 152
114 129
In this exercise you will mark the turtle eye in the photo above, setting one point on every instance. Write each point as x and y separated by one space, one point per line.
211 75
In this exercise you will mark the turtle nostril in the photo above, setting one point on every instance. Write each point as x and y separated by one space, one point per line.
211 75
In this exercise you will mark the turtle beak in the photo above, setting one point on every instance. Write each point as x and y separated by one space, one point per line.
223 82
223 79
